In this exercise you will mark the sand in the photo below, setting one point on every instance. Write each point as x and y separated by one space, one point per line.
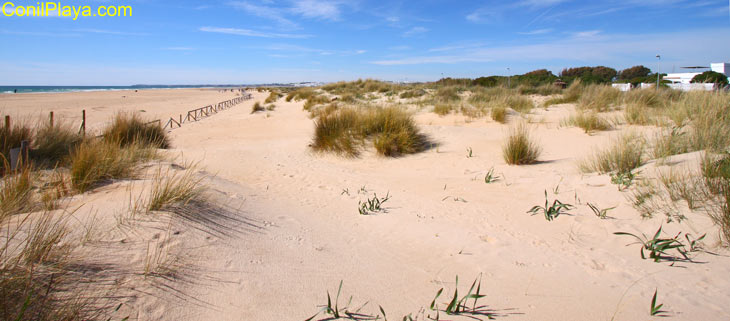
298 233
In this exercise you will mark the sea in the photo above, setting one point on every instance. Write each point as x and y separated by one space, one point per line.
63 89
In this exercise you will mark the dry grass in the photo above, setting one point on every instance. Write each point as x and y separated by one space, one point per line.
624 155
671 142
301 94
520 149
520 104
130 129
273 97
314 101
174 188
499 114
443 109
599 98
344 131
570 95
257 108
52 145
96 161
16 192
589 121
10 137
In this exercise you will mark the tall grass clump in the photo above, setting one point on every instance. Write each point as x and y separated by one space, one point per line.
129 129
10 137
519 104
96 161
442 109
345 131
645 97
176 189
16 191
412 93
301 94
257 108
53 144
599 98
520 148
570 95
273 97
637 114
624 155
671 142
447 94
315 100
715 171
499 114
589 121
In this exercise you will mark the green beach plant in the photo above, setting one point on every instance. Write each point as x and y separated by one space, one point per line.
657 247
550 212
372 205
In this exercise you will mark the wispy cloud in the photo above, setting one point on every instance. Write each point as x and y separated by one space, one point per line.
275 14
586 34
317 9
296 50
701 45
110 32
536 32
414 31
253 33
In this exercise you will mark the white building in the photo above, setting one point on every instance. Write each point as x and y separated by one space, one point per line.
686 77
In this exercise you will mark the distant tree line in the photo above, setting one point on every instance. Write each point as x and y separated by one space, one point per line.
586 75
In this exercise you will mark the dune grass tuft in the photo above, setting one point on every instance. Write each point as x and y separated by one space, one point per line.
624 155
129 129
570 95
499 114
95 161
589 121
443 109
344 131
273 97
174 189
10 137
520 149
257 108
16 191
600 98
52 145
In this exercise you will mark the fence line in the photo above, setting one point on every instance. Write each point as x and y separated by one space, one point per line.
203 112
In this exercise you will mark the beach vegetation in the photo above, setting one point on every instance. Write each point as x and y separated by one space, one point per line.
520 148
590 122
130 129
623 155
550 212
345 131
257 107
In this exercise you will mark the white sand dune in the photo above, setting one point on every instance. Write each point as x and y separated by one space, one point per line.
300 233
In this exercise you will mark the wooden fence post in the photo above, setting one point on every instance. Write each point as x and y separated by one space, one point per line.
83 122
7 122
50 119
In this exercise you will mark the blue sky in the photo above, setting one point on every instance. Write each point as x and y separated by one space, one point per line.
220 42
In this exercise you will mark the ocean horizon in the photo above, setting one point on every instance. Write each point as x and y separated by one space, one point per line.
63 89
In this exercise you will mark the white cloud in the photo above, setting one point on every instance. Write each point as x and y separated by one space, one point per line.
536 32
252 33
697 46
586 34
316 9
109 32
275 14
414 31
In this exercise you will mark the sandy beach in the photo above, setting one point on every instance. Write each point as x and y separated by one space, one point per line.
292 230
